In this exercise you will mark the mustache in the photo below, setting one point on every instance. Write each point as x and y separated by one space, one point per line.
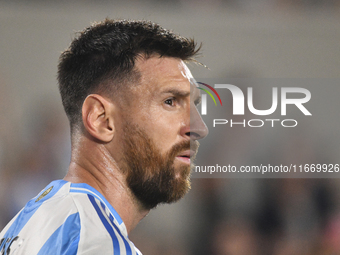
192 145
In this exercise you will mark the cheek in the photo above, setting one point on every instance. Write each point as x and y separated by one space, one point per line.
164 136
162 127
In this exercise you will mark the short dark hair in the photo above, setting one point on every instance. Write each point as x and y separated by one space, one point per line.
107 51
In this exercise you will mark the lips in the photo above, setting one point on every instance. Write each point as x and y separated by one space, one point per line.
186 155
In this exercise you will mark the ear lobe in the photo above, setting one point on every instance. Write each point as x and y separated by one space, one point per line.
97 114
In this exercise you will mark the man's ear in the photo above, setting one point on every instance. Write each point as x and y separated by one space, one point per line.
97 114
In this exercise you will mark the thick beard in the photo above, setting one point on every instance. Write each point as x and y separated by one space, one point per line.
151 176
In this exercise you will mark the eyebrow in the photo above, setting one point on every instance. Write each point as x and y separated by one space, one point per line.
178 93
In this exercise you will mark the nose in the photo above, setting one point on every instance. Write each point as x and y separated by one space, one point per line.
198 128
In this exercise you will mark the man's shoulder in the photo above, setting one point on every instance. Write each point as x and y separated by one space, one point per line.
53 203
66 217
54 219
59 203
49 215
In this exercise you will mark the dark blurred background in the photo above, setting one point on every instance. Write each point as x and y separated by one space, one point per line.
241 39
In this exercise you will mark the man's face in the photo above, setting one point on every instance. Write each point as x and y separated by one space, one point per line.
160 129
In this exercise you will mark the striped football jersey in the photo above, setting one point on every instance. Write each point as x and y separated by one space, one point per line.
65 219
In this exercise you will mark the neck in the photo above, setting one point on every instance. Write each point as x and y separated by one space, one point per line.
96 167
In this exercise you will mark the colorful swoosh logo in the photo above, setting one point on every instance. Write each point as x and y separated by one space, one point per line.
209 93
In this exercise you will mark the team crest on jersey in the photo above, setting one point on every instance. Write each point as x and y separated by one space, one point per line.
44 194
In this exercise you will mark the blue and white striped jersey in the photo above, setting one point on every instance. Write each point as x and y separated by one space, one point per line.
67 218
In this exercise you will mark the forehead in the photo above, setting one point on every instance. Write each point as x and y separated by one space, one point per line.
160 71
159 74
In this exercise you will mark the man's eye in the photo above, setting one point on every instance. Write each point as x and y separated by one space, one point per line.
169 101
